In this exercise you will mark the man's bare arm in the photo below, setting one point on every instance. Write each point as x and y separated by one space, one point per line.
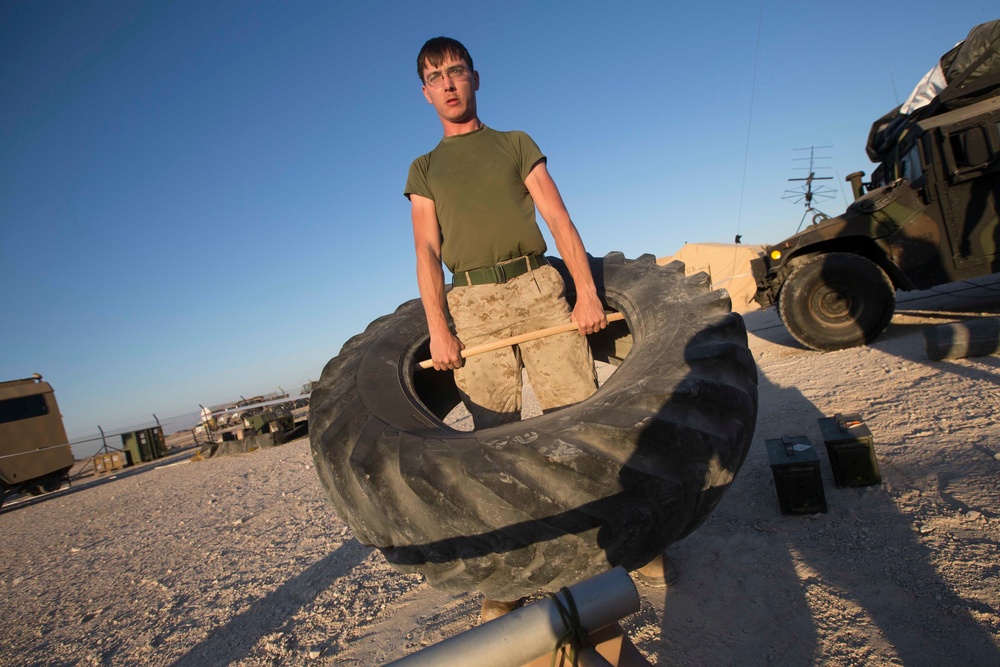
446 348
588 313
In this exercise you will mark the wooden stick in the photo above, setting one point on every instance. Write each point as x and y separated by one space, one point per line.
522 338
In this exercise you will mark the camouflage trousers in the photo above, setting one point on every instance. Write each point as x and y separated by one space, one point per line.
560 368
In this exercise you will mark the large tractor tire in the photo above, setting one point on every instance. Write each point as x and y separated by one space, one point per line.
836 300
552 500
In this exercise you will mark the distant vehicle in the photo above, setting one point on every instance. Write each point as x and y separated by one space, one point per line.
35 456
929 215
270 421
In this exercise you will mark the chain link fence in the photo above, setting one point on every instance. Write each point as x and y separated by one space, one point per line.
104 439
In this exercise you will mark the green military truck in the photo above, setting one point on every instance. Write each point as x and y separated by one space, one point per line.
928 216
35 456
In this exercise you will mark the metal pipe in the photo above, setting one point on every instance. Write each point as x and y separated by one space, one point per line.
533 630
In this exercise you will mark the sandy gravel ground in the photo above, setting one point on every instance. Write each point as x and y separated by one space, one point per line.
242 561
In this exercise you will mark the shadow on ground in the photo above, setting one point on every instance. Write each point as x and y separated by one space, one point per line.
854 586
232 641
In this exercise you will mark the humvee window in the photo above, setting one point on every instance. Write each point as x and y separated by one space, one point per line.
878 177
912 169
970 151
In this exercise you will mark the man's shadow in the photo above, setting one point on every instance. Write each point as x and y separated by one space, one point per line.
757 587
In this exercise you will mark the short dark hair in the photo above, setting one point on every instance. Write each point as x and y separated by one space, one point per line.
436 49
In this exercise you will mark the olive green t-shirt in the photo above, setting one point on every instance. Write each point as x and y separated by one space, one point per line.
476 181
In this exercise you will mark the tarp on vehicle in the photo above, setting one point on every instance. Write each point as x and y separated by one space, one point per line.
976 57
966 73
728 266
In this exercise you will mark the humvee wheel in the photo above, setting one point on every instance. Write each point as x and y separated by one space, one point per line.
836 300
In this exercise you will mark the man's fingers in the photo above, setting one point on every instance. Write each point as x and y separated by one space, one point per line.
592 327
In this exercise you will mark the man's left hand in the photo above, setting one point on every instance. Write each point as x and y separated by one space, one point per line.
588 314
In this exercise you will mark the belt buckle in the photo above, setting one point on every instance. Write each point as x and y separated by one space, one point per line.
501 273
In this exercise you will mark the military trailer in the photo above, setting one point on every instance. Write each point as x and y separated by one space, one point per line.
35 456
928 216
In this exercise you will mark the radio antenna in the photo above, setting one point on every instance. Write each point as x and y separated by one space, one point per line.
810 192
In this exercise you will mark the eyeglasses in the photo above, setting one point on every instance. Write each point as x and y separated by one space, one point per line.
456 72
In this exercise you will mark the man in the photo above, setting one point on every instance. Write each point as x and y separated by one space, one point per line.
473 204
473 201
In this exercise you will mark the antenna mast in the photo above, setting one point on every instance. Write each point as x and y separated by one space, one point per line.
809 193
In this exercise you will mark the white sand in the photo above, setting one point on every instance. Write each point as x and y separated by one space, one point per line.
241 560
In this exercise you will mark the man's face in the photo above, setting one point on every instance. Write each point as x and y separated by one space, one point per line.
454 96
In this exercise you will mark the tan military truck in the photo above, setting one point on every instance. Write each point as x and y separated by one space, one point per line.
35 456
928 216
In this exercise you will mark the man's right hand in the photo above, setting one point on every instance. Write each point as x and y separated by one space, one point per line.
446 352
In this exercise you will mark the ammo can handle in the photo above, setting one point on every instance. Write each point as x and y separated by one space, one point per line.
844 424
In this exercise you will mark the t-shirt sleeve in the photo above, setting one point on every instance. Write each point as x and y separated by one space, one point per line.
528 152
416 180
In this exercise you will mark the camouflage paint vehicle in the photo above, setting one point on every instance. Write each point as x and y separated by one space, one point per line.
270 421
929 215
35 456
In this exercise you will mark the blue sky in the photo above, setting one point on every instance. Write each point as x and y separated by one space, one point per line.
202 200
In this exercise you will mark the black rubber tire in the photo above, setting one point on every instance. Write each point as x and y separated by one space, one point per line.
836 300
957 340
47 484
51 483
553 500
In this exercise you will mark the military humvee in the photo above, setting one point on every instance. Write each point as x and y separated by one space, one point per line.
35 456
270 421
928 216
